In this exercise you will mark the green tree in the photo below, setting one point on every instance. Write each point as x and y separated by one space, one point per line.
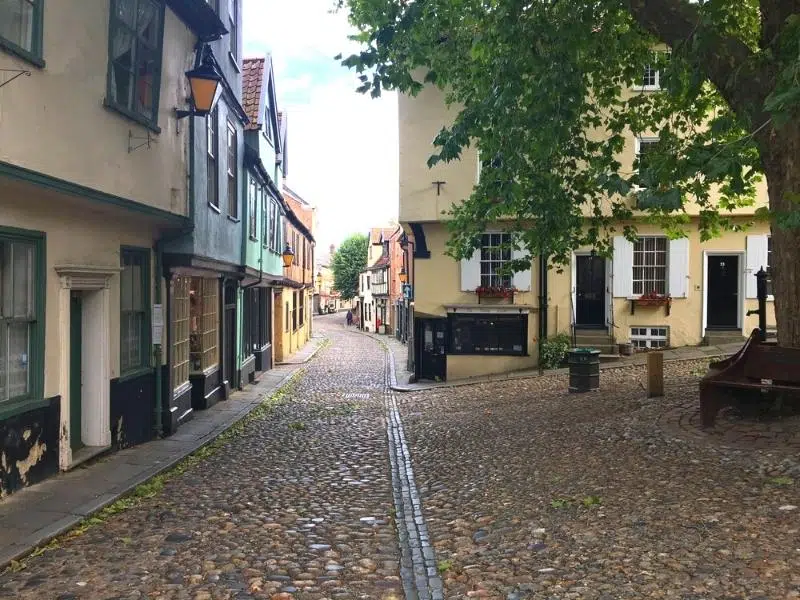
540 87
348 262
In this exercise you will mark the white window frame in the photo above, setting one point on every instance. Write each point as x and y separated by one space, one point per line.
648 338
666 265
642 87
506 280
770 295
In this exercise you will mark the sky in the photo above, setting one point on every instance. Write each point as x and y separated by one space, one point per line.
342 146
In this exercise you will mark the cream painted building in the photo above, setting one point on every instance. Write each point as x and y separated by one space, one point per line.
461 331
93 174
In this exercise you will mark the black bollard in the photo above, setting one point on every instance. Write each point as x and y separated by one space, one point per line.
761 293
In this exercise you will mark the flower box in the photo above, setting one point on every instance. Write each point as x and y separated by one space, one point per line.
652 299
495 292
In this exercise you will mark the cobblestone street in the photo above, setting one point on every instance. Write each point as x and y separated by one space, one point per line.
298 505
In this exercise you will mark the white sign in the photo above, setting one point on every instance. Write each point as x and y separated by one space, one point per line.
158 323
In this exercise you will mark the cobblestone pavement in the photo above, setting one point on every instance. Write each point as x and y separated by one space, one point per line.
299 505
531 492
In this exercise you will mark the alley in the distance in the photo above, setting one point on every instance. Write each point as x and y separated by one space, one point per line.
298 505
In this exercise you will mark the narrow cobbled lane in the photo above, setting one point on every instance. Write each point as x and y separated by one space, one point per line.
298 505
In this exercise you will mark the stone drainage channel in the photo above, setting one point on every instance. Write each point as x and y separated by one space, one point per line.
418 569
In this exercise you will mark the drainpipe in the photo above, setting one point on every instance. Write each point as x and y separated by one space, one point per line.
542 300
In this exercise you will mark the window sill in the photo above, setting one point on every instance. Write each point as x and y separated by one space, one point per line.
234 62
646 88
214 207
21 406
133 374
234 219
132 116
26 55
253 238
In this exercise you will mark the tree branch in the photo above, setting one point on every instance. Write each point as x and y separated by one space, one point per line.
728 63
773 16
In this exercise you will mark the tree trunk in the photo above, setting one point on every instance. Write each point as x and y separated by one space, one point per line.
780 157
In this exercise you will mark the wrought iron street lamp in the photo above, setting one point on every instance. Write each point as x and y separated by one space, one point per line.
402 275
205 86
319 280
288 256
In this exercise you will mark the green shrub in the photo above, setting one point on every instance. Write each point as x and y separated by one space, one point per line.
554 350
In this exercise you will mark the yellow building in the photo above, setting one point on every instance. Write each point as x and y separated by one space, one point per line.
462 332
93 174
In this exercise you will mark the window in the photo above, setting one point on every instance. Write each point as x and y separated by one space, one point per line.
252 211
643 146
212 169
233 201
651 77
134 300
649 337
302 310
295 304
264 327
234 34
204 300
180 331
21 28
488 334
263 201
249 317
134 70
21 321
287 316
650 266
367 288
495 253
274 227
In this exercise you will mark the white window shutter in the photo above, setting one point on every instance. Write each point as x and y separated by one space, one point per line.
471 272
522 279
756 258
678 266
623 267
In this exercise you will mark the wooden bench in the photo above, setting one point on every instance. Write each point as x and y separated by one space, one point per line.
757 369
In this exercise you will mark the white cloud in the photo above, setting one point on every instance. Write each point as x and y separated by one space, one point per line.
342 145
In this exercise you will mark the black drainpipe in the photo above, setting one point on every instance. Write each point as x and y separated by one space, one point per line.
542 300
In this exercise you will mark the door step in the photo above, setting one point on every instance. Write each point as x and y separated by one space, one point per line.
716 338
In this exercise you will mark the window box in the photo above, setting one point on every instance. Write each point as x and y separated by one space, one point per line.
495 292
651 299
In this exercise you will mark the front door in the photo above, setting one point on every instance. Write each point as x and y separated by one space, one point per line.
590 291
722 295
229 346
432 340
75 370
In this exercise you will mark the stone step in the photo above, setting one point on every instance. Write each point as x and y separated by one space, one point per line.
605 349
715 338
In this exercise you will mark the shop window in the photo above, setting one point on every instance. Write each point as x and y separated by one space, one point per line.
134 328
180 331
488 334
204 307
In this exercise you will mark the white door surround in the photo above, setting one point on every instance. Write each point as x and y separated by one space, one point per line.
94 282
740 297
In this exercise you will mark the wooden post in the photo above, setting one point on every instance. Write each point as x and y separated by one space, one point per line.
655 374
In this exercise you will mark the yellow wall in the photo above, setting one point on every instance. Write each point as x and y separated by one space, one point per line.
54 121
289 342
73 239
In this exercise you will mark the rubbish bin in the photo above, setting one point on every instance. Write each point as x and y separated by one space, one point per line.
584 370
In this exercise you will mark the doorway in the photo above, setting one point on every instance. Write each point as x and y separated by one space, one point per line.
432 343
75 370
229 343
722 291
590 291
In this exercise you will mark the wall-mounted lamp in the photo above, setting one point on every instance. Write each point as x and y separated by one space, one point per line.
402 275
319 280
205 85
288 256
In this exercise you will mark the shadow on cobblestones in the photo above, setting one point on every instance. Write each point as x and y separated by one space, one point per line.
531 492
297 505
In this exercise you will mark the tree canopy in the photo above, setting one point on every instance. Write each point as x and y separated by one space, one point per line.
348 262
542 89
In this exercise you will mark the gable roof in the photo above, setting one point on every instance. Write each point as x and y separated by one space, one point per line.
377 235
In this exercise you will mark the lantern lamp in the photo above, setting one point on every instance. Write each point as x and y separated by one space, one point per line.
402 275
205 86
288 256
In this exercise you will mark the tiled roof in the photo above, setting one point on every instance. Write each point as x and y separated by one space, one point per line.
383 261
252 82
376 232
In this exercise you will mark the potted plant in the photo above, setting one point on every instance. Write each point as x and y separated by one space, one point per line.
485 291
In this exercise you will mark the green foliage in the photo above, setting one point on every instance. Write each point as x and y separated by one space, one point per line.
554 350
541 89
444 566
348 262
560 503
780 481
590 501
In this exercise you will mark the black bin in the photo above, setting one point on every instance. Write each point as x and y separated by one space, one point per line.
584 369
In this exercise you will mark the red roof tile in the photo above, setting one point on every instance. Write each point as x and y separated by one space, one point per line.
252 81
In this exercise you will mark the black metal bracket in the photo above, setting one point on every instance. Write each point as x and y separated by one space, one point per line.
19 73
145 141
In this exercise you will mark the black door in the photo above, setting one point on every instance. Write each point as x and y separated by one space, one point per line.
432 343
722 297
229 346
590 291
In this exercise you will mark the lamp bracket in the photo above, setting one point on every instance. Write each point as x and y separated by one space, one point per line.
19 73
145 141
438 185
